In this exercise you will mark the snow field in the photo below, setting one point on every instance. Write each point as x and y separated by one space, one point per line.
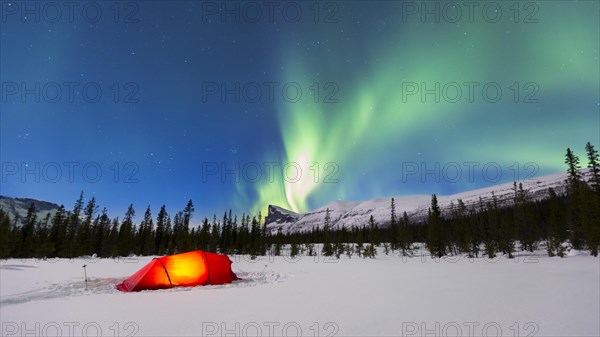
311 296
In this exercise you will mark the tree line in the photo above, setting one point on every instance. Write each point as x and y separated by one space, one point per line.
489 228
82 231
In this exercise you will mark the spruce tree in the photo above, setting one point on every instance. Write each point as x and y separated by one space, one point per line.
461 227
113 238
475 233
486 232
72 246
255 240
404 240
359 239
188 213
370 251
524 219
393 212
293 248
42 244
327 220
349 249
179 234
373 230
160 240
310 249
168 236
126 233
262 235
491 229
147 239
394 231
327 249
58 232
452 230
590 202
242 237
204 236
590 220
277 246
225 234
6 239
84 232
574 200
504 232
594 165
436 240
572 161
338 248
557 229
102 234
234 234
28 232
94 238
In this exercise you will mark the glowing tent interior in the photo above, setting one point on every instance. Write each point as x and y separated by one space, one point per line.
181 270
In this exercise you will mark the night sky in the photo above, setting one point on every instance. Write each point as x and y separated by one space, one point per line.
187 91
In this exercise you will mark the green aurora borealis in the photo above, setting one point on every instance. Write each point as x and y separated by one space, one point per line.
373 129
370 133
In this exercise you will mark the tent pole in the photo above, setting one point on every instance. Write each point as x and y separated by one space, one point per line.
85 275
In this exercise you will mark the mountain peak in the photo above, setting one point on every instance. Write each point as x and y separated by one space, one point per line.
17 207
280 215
347 214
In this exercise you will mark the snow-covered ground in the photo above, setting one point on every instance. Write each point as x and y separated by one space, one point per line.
390 295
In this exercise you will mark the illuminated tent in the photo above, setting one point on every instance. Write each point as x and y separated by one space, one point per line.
181 270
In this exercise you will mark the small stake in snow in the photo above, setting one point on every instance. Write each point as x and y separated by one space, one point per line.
85 275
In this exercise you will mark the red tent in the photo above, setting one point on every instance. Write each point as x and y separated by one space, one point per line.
181 270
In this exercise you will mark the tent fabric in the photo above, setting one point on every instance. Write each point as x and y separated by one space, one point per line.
181 270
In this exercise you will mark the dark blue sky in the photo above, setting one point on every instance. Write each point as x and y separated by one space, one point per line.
162 129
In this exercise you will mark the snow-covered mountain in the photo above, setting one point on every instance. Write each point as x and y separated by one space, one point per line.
17 208
356 213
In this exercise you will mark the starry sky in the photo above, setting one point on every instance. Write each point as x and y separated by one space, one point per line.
290 103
